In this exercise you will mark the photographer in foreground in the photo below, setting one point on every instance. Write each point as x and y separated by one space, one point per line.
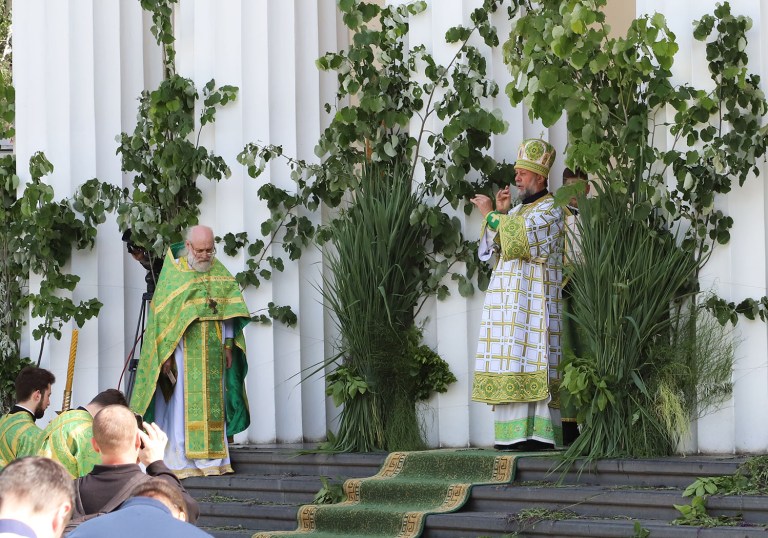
119 441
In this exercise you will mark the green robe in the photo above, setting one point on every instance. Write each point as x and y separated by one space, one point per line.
19 437
67 439
189 304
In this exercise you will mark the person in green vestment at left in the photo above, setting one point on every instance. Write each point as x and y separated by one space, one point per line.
67 438
191 372
19 435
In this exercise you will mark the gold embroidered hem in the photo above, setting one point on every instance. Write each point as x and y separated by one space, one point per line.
530 427
498 388
181 474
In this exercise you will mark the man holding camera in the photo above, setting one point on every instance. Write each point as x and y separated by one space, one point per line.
121 444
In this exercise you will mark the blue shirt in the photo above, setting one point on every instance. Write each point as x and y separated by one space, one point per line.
12 528
138 516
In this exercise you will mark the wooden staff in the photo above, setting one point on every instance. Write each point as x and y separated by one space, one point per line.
70 373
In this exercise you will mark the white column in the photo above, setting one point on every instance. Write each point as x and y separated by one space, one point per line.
140 64
747 206
254 100
284 122
333 37
109 247
446 415
70 59
78 143
309 103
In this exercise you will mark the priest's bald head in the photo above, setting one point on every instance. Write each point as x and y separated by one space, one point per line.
200 248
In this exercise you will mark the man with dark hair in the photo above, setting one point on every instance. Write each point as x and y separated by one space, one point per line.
121 444
573 177
36 497
154 509
67 439
19 436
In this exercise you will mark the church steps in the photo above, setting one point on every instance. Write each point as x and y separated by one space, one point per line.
661 472
248 516
499 525
493 508
277 489
289 460
272 482
608 502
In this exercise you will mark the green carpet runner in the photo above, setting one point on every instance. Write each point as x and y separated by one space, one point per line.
409 486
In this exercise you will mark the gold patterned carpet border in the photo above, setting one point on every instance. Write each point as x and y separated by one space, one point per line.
395 502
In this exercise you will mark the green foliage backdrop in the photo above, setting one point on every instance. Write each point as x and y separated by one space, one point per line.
426 129
658 153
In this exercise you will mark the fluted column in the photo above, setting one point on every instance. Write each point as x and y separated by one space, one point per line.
77 66
267 48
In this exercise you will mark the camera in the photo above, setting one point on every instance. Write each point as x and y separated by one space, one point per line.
140 254
140 424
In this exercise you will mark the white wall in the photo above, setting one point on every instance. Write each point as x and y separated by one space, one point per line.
737 270
79 67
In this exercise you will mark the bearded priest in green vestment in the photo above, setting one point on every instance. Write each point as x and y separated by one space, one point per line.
19 436
191 373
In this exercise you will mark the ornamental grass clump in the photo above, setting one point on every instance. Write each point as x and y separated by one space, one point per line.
378 267
646 367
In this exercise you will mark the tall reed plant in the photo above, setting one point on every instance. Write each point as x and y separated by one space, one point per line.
378 268
631 276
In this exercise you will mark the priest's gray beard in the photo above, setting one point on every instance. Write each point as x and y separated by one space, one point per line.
199 265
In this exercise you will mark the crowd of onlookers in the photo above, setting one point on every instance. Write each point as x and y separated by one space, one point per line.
94 471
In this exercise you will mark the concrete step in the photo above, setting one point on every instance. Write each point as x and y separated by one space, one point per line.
662 472
246 515
275 489
498 525
228 533
581 501
602 502
250 460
